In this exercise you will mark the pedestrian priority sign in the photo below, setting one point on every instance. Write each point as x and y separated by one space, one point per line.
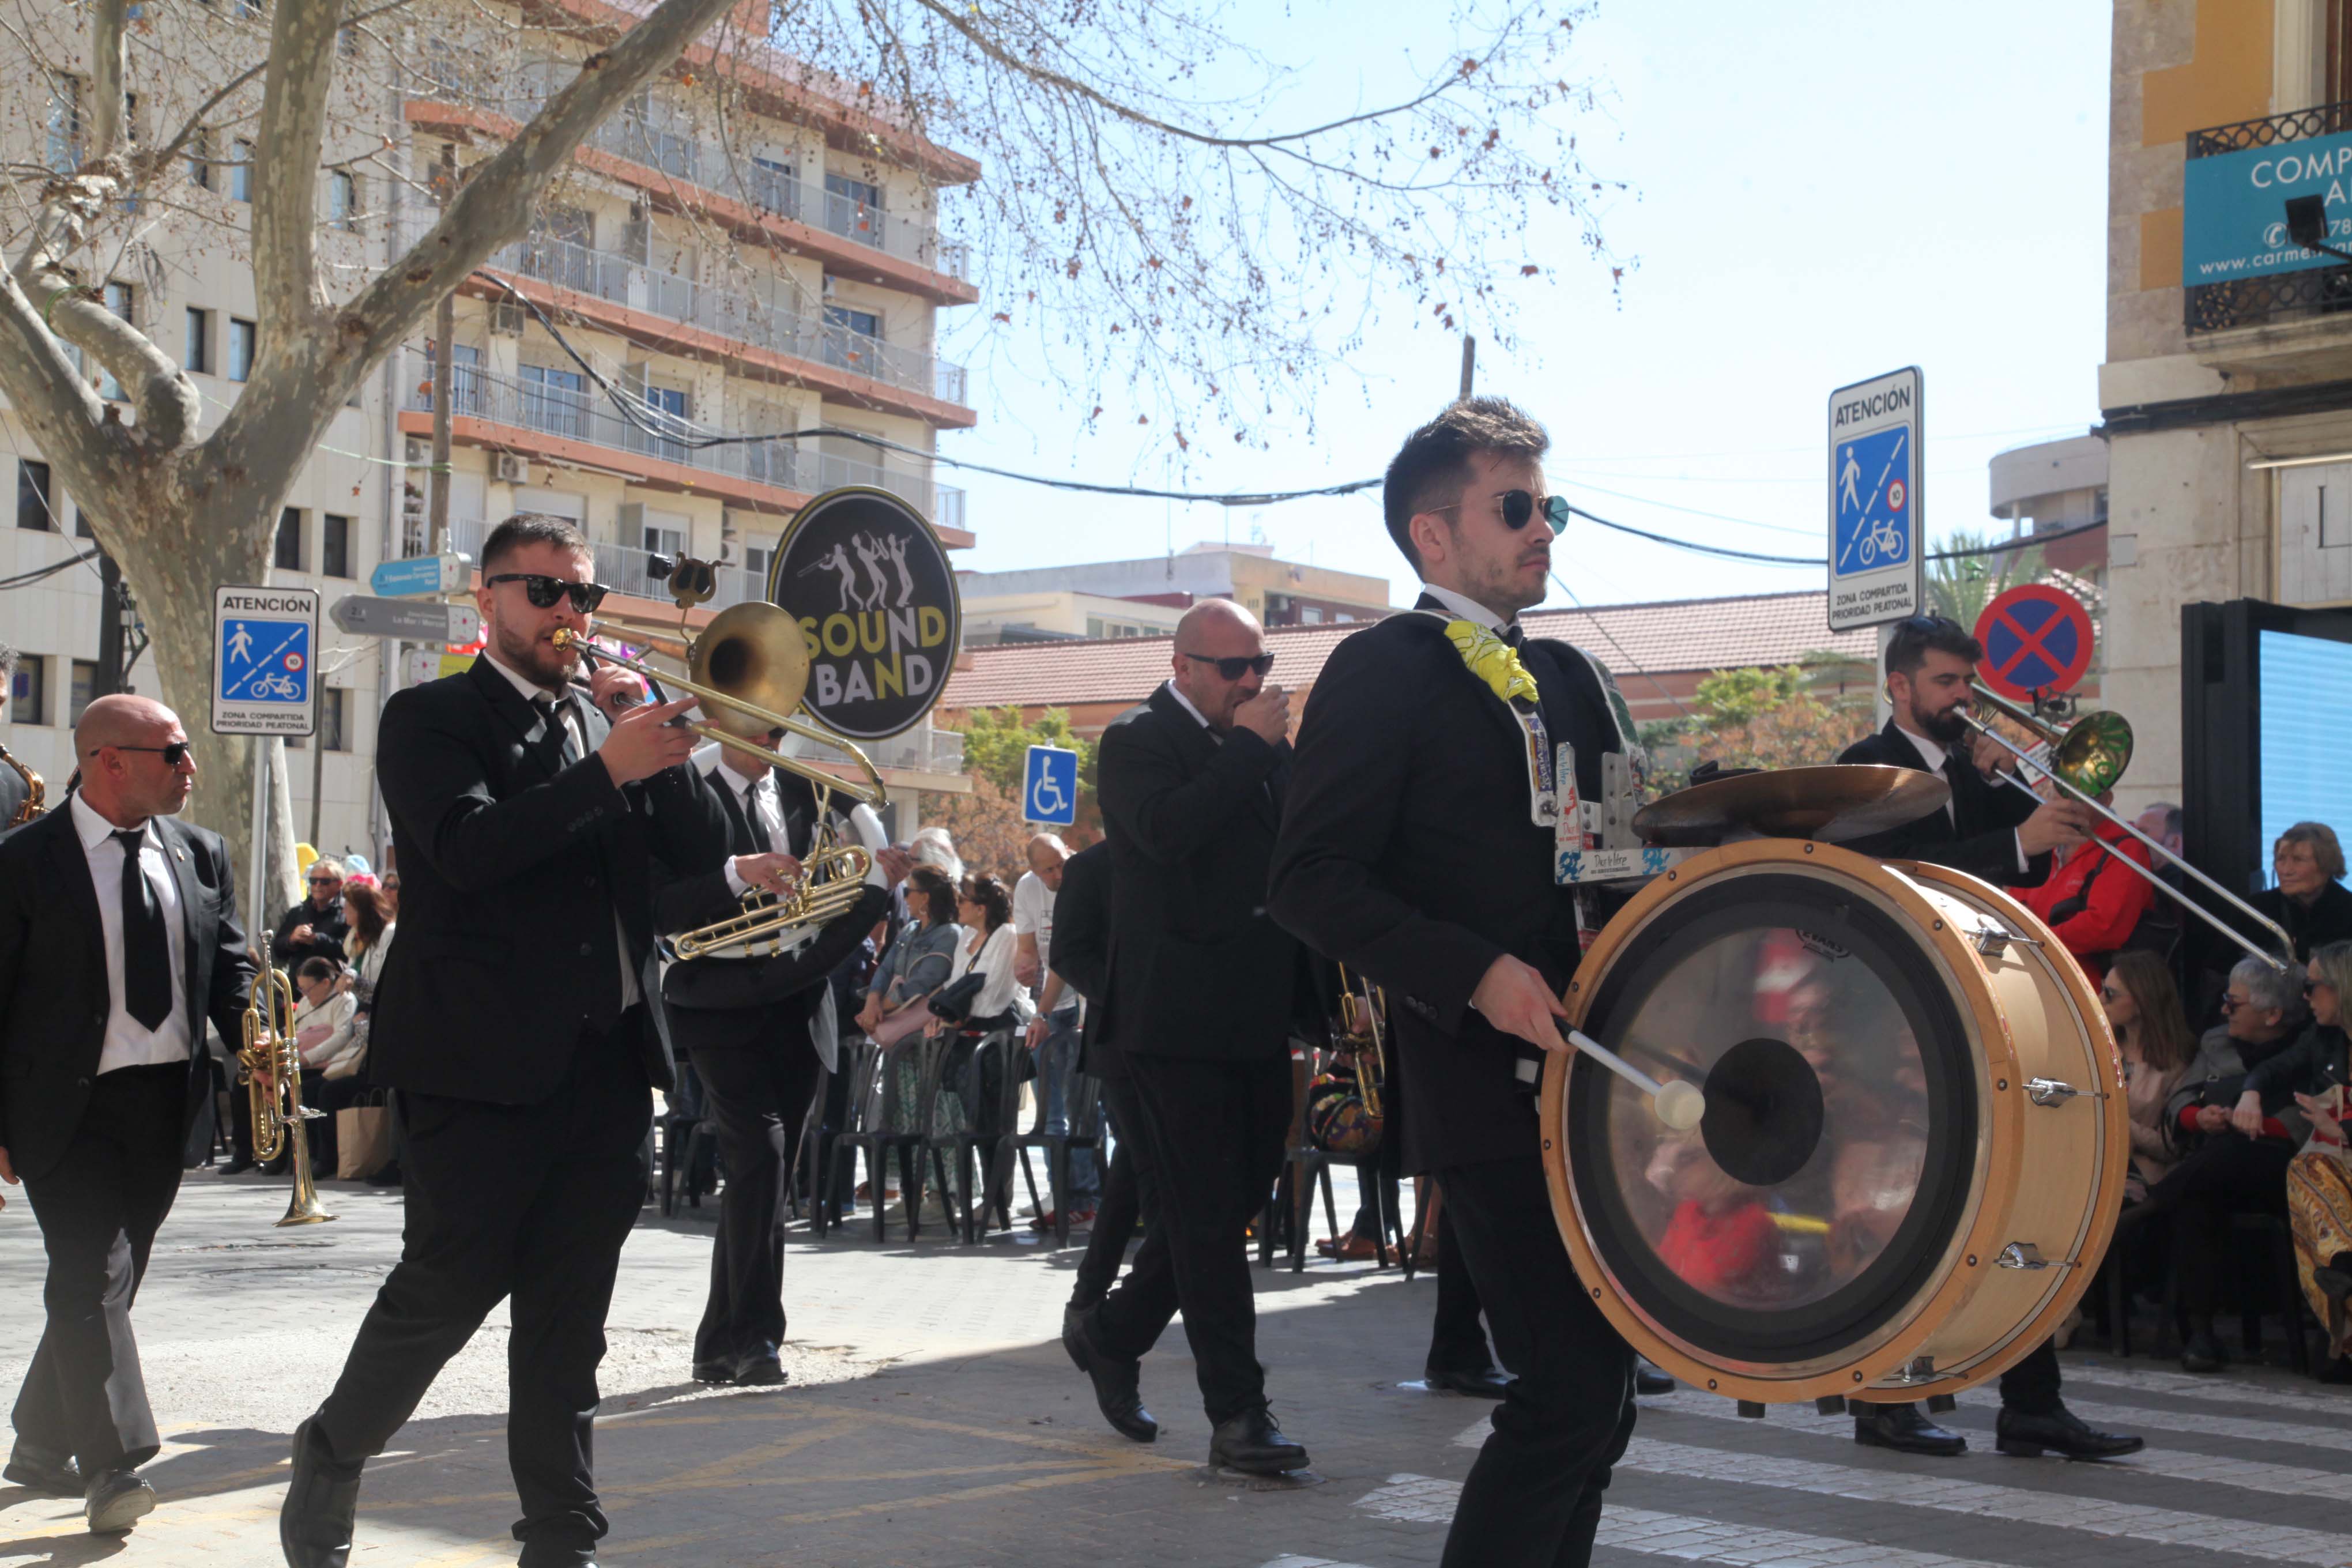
265 660
1874 503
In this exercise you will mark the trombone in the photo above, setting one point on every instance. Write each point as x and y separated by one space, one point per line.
832 880
752 664
2086 758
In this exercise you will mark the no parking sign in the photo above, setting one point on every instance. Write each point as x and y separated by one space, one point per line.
2036 639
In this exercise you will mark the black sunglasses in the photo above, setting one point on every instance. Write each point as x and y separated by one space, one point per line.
173 754
543 590
1519 510
1234 668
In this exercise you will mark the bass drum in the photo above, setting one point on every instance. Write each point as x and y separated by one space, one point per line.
1914 1144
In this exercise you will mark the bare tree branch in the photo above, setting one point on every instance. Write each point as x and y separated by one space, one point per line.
293 127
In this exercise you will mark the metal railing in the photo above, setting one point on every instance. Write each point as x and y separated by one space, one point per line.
2248 301
588 416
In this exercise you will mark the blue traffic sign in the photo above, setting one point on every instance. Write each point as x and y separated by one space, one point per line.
1049 787
419 575
265 661
1873 482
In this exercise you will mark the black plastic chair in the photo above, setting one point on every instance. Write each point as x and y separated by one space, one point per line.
1307 1167
886 1122
694 1134
1083 1100
981 1112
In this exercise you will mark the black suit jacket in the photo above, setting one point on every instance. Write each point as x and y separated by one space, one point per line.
1977 836
512 866
1081 949
53 992
1197 968
1409 854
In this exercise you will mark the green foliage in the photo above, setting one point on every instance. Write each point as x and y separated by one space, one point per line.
1729 698
996 742
1961 588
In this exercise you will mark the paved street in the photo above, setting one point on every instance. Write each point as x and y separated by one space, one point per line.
933 1419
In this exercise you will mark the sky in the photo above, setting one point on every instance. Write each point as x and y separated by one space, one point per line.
1817 193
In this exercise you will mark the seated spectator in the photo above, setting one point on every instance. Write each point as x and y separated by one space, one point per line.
2314 1069
2143 1008
973 1083
2310 899
919 961
2094 905
371 924
332 1053
389 885
313 928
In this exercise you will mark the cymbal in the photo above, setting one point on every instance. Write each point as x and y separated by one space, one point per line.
1830 804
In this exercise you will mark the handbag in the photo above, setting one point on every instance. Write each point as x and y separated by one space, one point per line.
362 1141
954 1001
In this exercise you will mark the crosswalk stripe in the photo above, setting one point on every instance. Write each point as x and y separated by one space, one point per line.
2189 1386
2011 1505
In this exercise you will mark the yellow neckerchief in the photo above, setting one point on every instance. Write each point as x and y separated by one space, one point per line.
1491 659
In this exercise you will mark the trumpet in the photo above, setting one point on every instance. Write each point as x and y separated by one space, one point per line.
2086 759
273 1077
751 664
828 888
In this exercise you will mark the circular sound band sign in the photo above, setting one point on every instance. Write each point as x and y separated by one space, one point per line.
870 584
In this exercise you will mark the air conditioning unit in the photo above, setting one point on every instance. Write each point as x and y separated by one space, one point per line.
506 319
511 469
416 454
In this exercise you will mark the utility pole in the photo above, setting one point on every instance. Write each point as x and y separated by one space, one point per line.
445 328
110 629
1469 365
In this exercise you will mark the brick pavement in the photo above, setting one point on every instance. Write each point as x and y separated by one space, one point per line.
934 1420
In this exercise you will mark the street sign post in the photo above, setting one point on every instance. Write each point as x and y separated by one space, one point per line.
409 620
1876 510
265 660
422 574
1049 787
2036 637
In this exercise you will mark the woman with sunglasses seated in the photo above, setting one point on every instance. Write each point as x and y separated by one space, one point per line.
973 1085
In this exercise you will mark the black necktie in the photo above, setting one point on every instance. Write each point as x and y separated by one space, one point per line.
745 825
551 714
146 951
1513 634
1958 764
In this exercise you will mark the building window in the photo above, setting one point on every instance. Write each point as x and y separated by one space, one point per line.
669 541
1311 616
776 186
851 338
240 173
85 688
342 199
465 376
335 545
240 348
198 356
28 691
65 123
332 701
864 192
200 160
290 540
33 508
552 400
757 559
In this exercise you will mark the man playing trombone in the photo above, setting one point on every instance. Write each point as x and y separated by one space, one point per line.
758 1023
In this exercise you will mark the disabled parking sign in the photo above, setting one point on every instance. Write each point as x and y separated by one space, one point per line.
1876 526
265 658
1049 787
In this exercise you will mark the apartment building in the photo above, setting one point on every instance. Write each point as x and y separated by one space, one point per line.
714 269
1279 593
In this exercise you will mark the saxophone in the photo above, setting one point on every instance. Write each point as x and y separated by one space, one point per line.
34 790
273 1077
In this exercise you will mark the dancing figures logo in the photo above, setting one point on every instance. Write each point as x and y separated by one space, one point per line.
870 584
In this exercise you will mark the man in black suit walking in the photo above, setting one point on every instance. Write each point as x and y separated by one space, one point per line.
1203 988
1991 829
1417 849
758 1030
513 1016
118 938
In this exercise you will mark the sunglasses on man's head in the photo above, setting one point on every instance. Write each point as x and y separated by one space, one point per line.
173 754
542 590
1519 508
1234 668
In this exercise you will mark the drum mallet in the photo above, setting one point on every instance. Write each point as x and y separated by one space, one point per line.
1676 1103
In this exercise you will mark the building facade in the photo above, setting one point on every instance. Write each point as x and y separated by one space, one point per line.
1279 593
1063 616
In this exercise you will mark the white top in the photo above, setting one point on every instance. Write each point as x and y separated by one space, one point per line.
1934 755
1470 610
1032 915
1002 993
758 800
569 711
1186 703
128 1043
336 1012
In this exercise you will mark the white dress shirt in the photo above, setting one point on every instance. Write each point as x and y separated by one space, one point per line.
1934 755
758 799
569 713
1470 610
128 1043
1186 703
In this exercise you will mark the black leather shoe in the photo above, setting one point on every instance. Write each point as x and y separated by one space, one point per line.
1902 1428
47 1471
1252 1444
2201 1352
314 1527
720 1371
238 1167
118 1500
1486 1383
277 1167
1117 1383
1648 1379
760 1368
2061 1432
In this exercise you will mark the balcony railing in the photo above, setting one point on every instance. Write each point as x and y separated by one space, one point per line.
641 286
590 416
2309 291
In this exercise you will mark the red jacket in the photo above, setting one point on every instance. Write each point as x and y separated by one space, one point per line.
2118 899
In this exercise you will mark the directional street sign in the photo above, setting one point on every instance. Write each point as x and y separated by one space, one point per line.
2036 639
265 660
410 620
1875 509
419 665
424 575
1049 787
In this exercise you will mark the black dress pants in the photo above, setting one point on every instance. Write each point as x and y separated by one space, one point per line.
757 1096
1456 1342
1533 1497
1126 1198
2228 1175
528 1201
99 1211
1213 1130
